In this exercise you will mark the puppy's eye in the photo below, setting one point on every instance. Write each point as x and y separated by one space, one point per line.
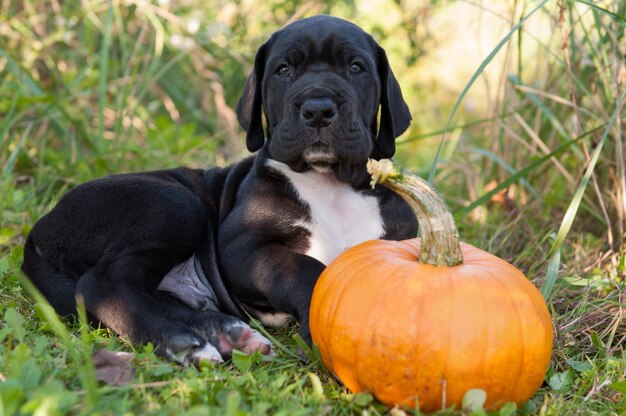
356 68
284 71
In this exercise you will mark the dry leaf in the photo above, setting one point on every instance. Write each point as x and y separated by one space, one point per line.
113 367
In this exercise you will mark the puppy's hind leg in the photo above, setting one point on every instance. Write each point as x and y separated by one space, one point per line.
225 332
115 292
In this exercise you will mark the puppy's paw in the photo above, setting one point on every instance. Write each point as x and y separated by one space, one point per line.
186 349
252 341
245 339
206 353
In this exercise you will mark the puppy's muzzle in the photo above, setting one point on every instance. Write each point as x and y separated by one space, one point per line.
318 112
320 159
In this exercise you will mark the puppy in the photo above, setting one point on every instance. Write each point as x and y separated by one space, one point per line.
182 258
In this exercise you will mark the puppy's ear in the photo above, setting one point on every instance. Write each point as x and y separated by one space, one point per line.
395 116
250 105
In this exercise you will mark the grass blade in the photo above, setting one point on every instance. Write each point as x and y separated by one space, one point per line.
88 369
520 174
570 214
554 121
479 71
21 74
83 361
552 274
606 12
104 73
507 167
461 126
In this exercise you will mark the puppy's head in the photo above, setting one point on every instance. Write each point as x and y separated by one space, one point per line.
321 82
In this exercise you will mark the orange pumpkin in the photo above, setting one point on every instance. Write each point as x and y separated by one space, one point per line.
424 321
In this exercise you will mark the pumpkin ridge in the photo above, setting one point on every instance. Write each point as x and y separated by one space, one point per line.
365 321
523 285
418 310
451 301
348 261
382 294
540 310
365 385
496 280
523 342
487 332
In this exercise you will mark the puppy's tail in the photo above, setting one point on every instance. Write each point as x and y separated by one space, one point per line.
57 287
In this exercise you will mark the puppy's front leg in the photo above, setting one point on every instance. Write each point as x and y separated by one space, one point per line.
270 277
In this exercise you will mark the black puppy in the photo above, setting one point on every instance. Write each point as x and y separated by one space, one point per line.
182 257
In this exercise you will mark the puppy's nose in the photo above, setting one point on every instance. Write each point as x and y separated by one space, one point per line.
318 112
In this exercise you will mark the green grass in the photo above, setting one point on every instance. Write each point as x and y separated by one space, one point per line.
536 176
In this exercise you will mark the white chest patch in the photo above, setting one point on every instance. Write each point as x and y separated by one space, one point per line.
340 216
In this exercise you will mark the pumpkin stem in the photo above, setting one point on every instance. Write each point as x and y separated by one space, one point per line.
440 237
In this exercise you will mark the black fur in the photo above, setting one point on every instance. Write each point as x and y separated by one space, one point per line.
112 240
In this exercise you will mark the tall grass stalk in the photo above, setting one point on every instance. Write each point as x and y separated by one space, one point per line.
475 76
103 77
570 214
